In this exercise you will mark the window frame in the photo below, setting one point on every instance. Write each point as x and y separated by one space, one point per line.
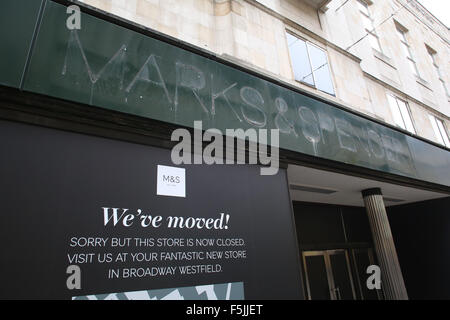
371 33
404 125
401 32
443 137
307 46
432 53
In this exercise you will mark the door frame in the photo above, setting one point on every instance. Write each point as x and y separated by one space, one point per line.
334 292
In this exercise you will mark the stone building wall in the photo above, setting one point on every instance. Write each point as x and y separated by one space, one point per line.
253 33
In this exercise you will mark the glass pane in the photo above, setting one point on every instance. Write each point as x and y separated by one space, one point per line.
300 60
406 116
317 278
363 7
321 71
406 50
401 35
367 23
443 132
374 42
323 80
436 129
395 112
341 276
412 66
431 55
317 56
291 39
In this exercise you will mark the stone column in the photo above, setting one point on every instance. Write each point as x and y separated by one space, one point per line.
391 274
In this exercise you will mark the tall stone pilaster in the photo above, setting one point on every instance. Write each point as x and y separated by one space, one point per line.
391 274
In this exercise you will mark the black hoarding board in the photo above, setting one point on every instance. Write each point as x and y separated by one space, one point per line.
81 218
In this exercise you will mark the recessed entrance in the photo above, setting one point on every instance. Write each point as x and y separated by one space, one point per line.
334 234
328 275
336 248
338 274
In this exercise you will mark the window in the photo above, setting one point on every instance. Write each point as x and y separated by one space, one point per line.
368 25
400 112
407 51
439 130
432 55
310 64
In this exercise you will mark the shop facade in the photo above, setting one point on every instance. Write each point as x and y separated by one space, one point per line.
87 117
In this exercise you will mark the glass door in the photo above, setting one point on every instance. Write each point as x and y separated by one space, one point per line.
328 275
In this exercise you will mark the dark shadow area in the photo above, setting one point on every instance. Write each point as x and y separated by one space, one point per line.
421 234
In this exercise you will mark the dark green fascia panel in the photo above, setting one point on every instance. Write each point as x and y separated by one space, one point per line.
18 19
112 67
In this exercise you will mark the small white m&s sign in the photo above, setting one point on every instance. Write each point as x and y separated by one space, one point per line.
171 182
